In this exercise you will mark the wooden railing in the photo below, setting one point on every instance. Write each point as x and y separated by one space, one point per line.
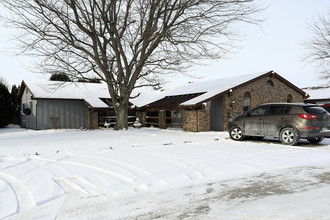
112 120
176 124
154 121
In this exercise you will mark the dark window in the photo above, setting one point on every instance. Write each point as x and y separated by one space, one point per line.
289 98
279 110
258 111
269 84
247 101
314 110
327 108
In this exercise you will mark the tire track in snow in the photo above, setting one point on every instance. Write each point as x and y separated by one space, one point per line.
121 164
23 196
83 200
188 167
149 196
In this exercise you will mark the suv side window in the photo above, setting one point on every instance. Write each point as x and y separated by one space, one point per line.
260 111
279 110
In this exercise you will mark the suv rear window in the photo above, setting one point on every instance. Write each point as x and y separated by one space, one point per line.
326 108
314 110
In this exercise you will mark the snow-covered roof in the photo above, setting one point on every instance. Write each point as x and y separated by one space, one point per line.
320 92
209 88
92 92
89 92
213 87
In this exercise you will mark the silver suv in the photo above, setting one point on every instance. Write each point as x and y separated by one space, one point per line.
287 121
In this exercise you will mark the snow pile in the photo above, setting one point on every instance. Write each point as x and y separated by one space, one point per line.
106 174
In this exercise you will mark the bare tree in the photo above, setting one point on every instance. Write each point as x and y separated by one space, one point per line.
127 43
319 45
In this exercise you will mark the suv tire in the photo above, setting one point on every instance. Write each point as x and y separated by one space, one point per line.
289 136
236 133
315 140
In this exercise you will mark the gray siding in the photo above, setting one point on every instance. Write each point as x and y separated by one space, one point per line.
53 114
216 115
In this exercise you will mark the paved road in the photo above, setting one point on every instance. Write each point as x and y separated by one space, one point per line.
284 195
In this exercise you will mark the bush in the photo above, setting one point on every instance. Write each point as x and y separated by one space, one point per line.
5 106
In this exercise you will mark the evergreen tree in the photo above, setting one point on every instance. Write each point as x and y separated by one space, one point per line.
5 106
15 104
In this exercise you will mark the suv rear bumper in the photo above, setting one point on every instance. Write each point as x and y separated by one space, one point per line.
312 134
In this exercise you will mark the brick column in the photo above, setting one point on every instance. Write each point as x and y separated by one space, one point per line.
143 117
203 120
92 120
190 120
196 120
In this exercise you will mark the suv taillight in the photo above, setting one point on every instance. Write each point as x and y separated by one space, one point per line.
307 116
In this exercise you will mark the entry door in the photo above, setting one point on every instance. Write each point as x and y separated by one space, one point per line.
216 115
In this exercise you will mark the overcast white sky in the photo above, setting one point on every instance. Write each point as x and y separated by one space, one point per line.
277 47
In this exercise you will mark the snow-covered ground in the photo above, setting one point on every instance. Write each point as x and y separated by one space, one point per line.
150 173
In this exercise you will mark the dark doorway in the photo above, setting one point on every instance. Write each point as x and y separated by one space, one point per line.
216 115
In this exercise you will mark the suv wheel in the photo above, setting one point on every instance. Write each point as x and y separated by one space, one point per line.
315 140
236 134
289 136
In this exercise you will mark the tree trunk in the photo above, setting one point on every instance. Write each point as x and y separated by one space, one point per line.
121 117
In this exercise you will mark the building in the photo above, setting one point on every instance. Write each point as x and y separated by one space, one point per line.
57 105
318 94
209 105
201 106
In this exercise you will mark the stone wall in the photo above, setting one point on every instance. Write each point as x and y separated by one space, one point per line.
260 94
196 120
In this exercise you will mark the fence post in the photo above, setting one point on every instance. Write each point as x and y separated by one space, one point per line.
162 119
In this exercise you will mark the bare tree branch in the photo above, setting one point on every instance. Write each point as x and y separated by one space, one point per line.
127 43
318 46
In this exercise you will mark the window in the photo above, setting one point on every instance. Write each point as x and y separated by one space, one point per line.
269 84
279 110
314 110
289 98
258 111
247 102
31 106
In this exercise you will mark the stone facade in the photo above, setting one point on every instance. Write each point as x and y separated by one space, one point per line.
196 120
260 93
